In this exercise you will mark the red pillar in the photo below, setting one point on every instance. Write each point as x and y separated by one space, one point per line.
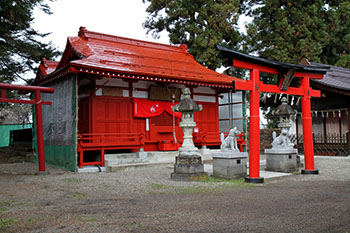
254 130
307 129
39 131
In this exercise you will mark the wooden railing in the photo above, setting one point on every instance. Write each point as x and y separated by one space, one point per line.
112 141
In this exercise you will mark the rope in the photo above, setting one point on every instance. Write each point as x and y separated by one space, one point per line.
40 101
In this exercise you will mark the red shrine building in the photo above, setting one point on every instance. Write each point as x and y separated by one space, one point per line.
116 94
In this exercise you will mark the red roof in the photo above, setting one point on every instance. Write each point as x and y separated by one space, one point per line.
46 67
103 54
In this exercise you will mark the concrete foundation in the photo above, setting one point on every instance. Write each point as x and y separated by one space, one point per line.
229 165
281 160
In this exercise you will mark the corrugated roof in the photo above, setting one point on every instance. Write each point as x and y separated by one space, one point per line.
336 77
109 53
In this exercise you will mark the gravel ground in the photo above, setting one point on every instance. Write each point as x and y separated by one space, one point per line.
146 200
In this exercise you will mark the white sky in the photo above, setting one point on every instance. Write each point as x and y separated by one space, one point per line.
115 17
120 18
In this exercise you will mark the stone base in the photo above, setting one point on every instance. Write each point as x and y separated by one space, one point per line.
281 159
189 176
40 173
309 172
259 180
229 165
188 168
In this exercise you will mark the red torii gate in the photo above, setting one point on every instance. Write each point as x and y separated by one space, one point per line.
38 113
286 72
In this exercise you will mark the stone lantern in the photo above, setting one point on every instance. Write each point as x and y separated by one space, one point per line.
188 165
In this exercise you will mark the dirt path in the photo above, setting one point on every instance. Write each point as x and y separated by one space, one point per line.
146 200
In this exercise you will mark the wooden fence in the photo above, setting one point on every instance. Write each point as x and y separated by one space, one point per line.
329 144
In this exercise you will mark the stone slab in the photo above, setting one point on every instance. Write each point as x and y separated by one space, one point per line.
281 150
91 169
229 154
188 159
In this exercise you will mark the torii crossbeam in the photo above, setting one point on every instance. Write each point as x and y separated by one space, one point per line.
286 72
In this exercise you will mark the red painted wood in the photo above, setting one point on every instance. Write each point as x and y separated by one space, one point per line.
244 85
254 126
307 126
39 131
207 119
26 88
115 115
290 91
83 115
308 75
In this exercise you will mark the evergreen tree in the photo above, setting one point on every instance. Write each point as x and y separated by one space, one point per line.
288 31
20 45
200 24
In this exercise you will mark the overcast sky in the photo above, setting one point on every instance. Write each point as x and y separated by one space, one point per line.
115 17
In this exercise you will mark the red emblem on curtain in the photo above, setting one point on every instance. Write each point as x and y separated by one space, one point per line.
149 108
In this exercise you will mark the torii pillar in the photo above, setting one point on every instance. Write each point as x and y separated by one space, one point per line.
307 128
254 129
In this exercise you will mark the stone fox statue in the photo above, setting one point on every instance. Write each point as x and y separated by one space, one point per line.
282 140
230 142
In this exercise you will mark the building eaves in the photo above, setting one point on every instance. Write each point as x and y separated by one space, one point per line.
336 77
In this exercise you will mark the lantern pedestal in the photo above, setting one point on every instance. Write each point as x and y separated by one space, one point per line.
188 168
188 165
